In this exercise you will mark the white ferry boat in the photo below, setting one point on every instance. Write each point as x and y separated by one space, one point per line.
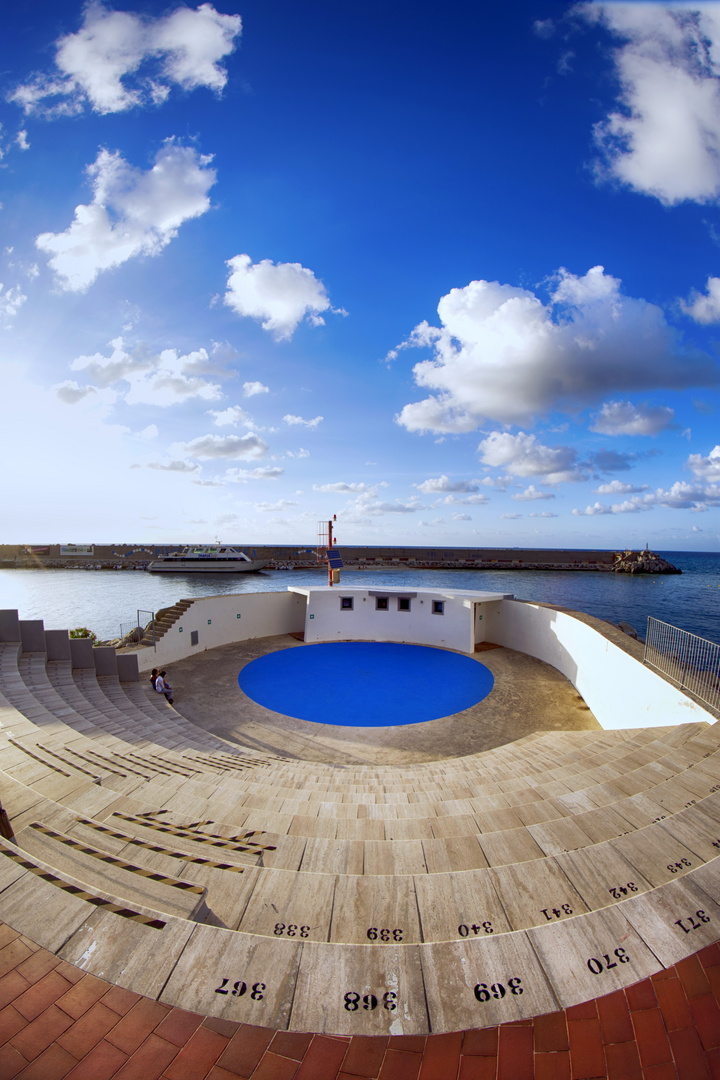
207 558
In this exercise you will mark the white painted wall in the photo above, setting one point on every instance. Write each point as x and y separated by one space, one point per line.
454 629
216 620
620 691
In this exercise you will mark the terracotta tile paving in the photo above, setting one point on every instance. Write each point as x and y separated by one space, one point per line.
58 1023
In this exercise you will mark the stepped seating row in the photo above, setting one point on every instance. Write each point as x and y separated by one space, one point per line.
399 988
79 662
439 906
84 676
561 822
342 905
72 696
453 826
538 794
581 873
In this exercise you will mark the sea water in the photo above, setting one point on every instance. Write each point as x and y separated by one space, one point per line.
106 600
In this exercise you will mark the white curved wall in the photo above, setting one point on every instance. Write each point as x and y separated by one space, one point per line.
620 691
221 620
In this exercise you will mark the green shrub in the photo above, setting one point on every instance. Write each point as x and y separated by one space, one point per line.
82 631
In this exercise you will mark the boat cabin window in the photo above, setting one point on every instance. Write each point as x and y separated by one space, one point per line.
403 603
382 603
438 607
346 603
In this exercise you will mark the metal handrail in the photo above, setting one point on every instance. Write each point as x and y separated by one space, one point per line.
690 661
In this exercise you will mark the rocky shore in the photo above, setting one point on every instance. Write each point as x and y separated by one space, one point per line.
643 562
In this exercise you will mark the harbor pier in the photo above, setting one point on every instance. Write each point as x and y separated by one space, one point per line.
354 556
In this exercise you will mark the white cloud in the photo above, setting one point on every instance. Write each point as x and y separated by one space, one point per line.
627 507
704 309
226 446
150 432
367 504
544 28
477 499
281 504
612 461
617 487
159 379
174 466
461 517
503 355
443 483
684 496
241 476
120 366
377 508
71 392
132 213
342 488
298 453
531 493
295 420
250 389
279 295
231 417
665 138
543 514
101 63
708 468
523 455
510 517
624 418
22 140
11 300
681 496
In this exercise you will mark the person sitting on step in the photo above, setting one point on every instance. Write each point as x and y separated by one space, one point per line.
163 687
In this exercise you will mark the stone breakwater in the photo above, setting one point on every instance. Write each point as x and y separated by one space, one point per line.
355 557
643 562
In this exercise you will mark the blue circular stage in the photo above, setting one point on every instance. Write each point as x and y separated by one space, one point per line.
366 683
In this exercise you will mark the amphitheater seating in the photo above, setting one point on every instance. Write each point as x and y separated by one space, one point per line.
462 893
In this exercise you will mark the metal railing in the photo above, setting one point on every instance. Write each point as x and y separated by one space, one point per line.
690 661
152 620
137 628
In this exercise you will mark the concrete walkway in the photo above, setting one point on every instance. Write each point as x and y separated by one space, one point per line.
528 696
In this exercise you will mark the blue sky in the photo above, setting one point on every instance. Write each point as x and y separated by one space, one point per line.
451 273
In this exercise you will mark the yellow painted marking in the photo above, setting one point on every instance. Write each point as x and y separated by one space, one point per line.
101 856
253 849
160 850
75 890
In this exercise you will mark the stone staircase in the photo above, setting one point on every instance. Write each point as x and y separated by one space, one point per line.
164 619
